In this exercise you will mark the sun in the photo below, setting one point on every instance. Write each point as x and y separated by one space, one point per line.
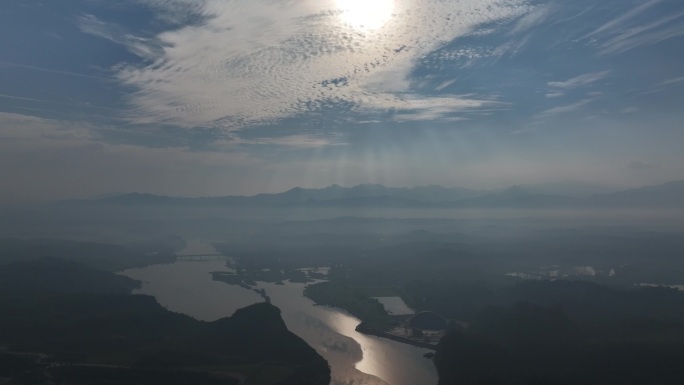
365 14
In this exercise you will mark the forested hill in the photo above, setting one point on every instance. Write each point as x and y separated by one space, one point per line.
49 275
569 333
87 330
105 256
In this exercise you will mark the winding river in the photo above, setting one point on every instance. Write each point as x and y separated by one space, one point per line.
355 358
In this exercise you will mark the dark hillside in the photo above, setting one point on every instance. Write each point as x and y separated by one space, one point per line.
570 333
88 330
94 254
48 275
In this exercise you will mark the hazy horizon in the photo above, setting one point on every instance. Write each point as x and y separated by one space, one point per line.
575 189
214 98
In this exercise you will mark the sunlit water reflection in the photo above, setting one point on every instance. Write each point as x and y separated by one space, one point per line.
186 287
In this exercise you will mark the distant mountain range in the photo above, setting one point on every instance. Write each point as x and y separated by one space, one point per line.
669 194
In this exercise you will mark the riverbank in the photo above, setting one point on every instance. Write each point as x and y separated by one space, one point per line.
187 287
368 310
363 328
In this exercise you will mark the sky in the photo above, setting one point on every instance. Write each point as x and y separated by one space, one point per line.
220 97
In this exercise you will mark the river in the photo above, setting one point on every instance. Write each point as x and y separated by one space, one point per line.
355 358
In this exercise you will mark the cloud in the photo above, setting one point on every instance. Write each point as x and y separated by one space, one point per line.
145 48
636 28
445 84
579 81
23 128
299 141
469 54
669 82
409 107
564 109
648 34
609 26
259 62
44 159
531 19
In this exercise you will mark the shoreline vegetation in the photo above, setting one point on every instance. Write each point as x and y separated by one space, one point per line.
102 256
582 319
374 318
75 324
365 329
369 310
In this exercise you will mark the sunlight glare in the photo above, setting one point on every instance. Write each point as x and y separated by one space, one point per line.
365 14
